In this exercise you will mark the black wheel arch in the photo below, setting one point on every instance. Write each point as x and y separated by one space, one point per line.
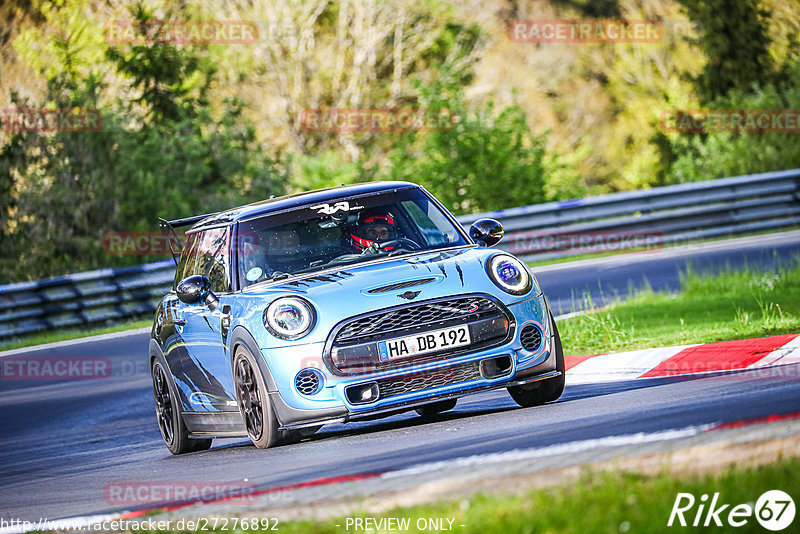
285 414
155 353
241 336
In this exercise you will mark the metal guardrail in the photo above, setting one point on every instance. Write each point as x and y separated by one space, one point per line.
83 299
658 216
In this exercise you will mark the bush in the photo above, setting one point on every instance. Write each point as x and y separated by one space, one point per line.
160 153
716 155
485 162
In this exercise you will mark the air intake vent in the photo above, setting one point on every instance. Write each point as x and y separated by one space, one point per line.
531 337
401 285
442 376
308 382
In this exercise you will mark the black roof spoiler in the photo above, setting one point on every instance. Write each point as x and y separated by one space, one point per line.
186 221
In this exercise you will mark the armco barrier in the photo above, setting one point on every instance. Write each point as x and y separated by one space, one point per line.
665 215
84 298
670 214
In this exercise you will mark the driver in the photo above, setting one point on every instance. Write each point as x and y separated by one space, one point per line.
373 227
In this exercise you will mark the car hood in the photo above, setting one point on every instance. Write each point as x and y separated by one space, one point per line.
356 289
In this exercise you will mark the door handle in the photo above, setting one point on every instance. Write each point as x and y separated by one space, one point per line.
226 317
178 318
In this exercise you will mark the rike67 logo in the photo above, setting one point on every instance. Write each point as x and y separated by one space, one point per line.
774 510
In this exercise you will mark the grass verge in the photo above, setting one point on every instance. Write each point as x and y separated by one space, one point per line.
599 502
731 305
64 335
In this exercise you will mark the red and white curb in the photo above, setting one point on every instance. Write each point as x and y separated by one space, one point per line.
741 354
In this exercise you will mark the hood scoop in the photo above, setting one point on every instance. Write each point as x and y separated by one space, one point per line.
401 285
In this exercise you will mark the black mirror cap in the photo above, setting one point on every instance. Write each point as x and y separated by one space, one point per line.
193 289
486 232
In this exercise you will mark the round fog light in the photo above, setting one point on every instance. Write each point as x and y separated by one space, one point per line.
308 381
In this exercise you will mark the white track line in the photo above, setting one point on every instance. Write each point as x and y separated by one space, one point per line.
552 450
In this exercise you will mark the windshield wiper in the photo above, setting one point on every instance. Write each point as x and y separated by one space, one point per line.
351 258
331 263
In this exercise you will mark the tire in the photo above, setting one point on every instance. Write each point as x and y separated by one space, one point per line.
538 393
253 400
434 408
170 423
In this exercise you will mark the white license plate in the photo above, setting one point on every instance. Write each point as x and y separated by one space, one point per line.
446 338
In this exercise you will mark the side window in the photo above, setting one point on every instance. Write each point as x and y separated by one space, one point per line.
188 259
207 254
213 257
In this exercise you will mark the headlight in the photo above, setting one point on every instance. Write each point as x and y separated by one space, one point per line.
289 317
509 274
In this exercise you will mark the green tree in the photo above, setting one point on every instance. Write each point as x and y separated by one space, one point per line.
736 43
485 161
162 151
716 155
740 74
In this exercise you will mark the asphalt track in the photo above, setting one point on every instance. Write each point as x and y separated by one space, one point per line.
63 442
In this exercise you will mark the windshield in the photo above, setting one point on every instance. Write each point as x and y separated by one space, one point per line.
341 232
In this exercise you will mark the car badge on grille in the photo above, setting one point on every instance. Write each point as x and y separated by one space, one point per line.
409 295
474 306
446 309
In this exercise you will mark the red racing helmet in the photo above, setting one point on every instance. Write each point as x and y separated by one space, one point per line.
373 226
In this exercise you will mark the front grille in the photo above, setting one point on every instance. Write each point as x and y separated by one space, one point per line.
421 314
401 285
531 337
308 382
389 387
353 347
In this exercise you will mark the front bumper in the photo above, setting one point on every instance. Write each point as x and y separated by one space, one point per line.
411 404
332 405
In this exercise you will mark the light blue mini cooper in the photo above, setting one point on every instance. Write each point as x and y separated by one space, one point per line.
339 305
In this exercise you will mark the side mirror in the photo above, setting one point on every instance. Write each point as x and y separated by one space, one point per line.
487 232
197 288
